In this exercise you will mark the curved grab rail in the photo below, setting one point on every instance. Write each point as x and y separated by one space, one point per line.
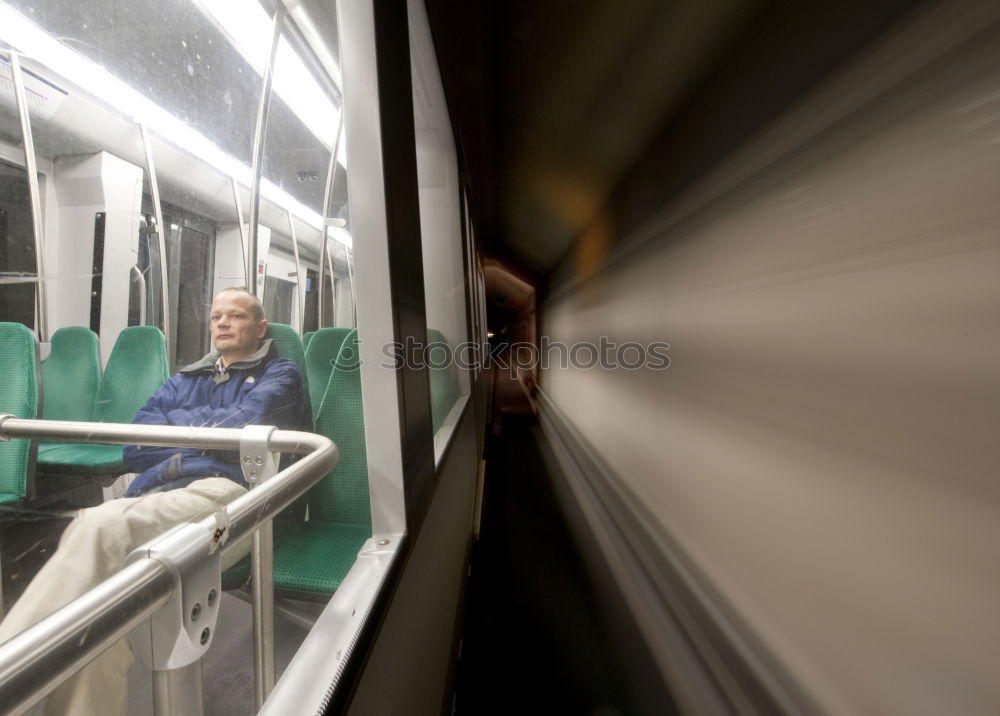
37 660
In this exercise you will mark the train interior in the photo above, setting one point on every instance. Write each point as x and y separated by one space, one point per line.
656 340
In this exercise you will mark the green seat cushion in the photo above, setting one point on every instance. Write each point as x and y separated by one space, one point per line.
310 558
315 556
81 458
8 497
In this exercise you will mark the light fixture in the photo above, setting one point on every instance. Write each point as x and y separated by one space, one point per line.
249 29
31 41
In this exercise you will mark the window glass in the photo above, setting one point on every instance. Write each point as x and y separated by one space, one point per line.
303 124
17 247
97 73
447 353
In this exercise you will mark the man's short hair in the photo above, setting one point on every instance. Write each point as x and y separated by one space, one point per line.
256 307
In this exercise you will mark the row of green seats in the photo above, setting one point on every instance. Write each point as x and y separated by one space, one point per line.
312 555
74 388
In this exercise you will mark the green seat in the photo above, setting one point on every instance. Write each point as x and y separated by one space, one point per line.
306 338
443 383
321 354
71 375
288 343
19 396
136 367
289 346
312 558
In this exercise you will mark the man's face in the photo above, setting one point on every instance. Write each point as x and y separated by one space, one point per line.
235 333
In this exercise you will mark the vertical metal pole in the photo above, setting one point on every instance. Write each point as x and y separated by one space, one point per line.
333 285
324 258
331 178
178 691
33 193
260 464
161 234
141 280
3 607
262 581
350 275
245 239
299 277
258 147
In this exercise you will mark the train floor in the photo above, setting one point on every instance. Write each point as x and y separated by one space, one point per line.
534 638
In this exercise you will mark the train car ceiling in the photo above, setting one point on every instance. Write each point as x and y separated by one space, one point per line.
86 100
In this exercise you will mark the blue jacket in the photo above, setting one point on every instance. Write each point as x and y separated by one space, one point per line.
260 390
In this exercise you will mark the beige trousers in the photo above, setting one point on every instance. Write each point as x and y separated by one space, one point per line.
92 548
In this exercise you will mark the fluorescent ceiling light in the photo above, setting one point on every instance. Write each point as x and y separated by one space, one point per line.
249 28
31 41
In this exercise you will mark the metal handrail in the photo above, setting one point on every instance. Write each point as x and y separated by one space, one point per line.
34 194
141 280
161 239
260 132
37 660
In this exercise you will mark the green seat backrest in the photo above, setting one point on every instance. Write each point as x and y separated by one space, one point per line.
136 367
288 343
342 495
71 375
289 346
441 372
306 338
19 397
320 357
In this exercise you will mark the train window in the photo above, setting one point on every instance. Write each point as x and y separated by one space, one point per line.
303 154
447 353
144 117
190 253
17 248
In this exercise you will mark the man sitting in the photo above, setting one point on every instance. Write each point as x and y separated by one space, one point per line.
242 382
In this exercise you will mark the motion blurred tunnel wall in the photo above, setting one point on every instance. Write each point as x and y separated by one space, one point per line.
820 454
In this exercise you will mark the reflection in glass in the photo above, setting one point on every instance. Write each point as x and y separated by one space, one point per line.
99 70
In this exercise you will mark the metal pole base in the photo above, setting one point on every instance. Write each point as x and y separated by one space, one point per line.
178 692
